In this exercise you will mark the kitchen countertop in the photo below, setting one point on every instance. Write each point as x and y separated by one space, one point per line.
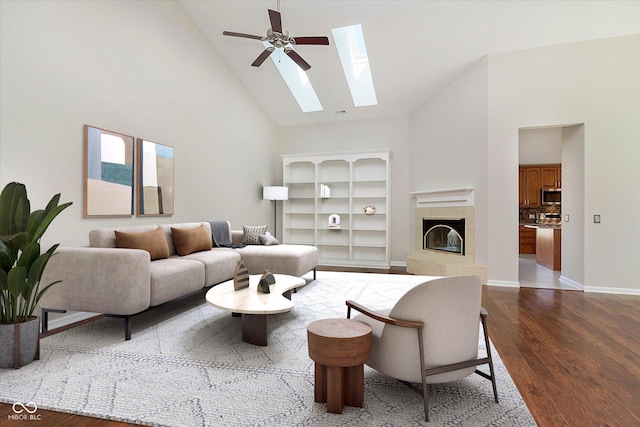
546 226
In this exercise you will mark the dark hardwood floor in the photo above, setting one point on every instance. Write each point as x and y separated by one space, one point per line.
574 357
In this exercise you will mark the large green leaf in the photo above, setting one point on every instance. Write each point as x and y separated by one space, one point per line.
50 216
23 211
34 221
4 286
5 257
16 281
9 198
53 203
30 252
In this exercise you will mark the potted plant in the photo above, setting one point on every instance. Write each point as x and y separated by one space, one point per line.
21 267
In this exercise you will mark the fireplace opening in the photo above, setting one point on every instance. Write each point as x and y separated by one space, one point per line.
443 234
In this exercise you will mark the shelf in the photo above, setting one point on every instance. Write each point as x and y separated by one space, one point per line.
333 181
368 246
355 180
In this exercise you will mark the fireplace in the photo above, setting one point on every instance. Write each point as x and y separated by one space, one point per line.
443 234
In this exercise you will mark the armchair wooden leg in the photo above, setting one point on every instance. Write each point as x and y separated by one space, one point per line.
425 391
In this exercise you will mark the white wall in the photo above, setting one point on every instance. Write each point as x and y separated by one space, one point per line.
449 145
139 68
595 83
573 191
540 146
387 133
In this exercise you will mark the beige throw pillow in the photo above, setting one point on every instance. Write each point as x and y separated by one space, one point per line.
152 241
190 240
252 234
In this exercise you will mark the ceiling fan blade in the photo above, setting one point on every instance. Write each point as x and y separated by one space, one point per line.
276 21
297 59
246 36
260 59
312 40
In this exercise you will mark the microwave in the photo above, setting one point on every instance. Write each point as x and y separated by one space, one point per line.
551 196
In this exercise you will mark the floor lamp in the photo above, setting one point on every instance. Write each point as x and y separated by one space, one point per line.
275 194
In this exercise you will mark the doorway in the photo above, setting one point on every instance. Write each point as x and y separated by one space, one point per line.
560 145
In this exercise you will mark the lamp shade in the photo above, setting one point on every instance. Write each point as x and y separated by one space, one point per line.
275 193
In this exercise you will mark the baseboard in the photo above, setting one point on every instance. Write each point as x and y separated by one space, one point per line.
503 283
617 291
571 283
69 318
398 263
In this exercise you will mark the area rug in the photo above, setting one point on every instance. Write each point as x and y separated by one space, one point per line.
186 365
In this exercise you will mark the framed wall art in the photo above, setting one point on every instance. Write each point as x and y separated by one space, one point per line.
109 173
155 192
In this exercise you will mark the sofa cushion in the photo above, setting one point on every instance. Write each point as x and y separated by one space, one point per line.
252 234
153 242
294 260
190 240
219 264
173 278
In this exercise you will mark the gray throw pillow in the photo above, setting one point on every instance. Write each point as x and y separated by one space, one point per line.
268 240
252 234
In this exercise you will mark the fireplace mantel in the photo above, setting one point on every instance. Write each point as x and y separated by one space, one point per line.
447 197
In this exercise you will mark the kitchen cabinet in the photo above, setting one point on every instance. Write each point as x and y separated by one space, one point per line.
551 176
529 185
527 237
534 178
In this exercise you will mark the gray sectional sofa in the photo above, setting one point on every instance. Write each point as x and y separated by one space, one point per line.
122 282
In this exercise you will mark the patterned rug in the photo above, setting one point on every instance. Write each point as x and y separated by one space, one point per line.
186 365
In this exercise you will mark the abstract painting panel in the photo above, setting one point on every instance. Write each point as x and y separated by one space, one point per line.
156 179
109 172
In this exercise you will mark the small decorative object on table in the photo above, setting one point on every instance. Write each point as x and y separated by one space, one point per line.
369 210
266 280
240 276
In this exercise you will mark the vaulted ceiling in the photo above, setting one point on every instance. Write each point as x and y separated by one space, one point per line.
415 47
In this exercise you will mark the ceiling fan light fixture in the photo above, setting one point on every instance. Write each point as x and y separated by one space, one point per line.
280 38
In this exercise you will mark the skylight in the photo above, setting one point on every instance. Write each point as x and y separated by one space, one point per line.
355 63
296 79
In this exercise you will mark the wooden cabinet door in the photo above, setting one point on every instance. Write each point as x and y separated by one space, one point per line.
527 238
522 185
550 176
533 186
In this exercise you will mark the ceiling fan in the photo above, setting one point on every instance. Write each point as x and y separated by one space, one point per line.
280 39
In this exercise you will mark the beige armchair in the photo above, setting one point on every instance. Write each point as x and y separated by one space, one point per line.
430 335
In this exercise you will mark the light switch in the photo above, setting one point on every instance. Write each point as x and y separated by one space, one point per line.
566 217
596 219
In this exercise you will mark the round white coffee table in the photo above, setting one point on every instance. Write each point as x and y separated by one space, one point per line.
254 306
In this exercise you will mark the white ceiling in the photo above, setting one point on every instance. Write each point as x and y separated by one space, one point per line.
415 47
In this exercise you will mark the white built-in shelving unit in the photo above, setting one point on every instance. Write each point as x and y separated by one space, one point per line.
354 180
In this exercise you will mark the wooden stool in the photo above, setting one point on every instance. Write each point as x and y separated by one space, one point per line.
339 347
